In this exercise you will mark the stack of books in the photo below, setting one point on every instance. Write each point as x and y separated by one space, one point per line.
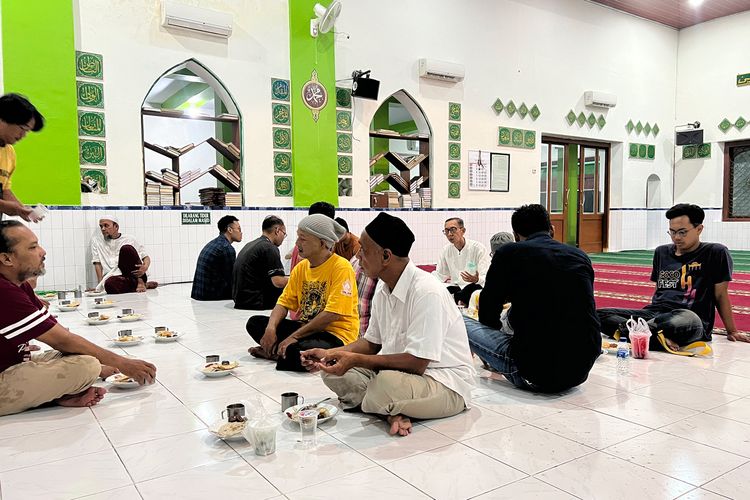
234 177
212 197
189 176
398 182
234 149
404 162
415 183
233 199
222 174
393 201
170 177
154 176
426 195
166 195
153 194
375 180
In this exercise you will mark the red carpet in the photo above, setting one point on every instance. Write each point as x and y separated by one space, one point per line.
620 285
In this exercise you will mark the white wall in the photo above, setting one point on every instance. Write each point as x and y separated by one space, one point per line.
137 50
544 52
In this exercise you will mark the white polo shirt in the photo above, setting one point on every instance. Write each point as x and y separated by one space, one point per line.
419 317
107 253
453 261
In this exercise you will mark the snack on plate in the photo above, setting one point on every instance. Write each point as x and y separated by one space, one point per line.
609 344
218 367
121 378
127 338
103 317
322 412
230 429
166 334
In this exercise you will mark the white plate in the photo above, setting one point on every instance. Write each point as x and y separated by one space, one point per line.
122 385
130 318
214 429
166 340
94 293
129 343
104 305
332 410
97 321
222 373
68 308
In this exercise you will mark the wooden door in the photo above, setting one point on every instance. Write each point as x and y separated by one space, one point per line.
592 177
553 187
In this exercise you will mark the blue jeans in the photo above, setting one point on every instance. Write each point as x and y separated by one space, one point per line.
492 346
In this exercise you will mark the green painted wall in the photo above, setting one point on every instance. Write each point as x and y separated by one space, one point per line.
39 62
571 225
314 159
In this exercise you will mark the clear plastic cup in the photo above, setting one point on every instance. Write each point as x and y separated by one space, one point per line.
262 435
308 426
639 344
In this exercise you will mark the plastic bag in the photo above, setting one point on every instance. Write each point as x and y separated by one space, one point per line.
640 335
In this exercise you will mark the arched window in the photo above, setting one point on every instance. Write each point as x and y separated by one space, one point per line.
400 154
653 191
191 139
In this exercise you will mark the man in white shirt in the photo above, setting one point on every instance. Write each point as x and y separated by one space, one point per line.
463 262
414 360
119 260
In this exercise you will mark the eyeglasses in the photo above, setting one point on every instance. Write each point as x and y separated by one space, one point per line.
450 230
680 232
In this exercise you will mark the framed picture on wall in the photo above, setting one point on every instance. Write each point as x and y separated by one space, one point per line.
500 172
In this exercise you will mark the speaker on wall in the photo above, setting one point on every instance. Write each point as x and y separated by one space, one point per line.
365 88
685 137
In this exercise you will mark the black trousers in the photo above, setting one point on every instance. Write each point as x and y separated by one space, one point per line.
256 327
464 294
682 326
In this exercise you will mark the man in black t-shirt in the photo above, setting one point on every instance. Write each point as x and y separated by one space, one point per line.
555 338
258 272
692 280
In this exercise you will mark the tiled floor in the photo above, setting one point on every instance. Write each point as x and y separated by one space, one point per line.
675 427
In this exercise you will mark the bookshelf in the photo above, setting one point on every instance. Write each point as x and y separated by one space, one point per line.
412 178
174 179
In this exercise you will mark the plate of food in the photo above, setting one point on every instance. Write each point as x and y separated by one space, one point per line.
95 293
218 369
122 381
98 320
166 336
47 295
68 306
127 340
104 304
129 318
325 412
228 431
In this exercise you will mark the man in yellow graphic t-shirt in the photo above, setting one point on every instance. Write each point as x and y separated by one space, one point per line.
322 288
17 117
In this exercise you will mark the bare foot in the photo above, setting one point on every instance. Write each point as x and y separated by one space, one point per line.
141 287
400 425
258 352
671 344
151 285
108 371
89 397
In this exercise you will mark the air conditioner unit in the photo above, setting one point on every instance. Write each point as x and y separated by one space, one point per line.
187 17
599 99
441 70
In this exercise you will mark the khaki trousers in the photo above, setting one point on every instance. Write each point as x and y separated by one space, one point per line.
391 392
46 377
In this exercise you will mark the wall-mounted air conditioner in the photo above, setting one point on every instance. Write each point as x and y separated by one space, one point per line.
599 99
441 70
197 19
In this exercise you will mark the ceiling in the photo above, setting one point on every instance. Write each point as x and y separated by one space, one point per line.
678 13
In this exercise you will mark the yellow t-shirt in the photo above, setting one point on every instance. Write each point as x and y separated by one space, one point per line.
7 165
329 287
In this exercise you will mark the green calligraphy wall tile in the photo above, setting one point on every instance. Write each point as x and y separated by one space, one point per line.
92 152
510 108
571 117
454 111
454 189
281 114
498 106
581 119
454 151
345 165
279 89
534 112
344 143
282 162
343 97
704 150
93 180
343 120
90 94
282 138
282 186
89 65
523 110
454 170
454 131
91 124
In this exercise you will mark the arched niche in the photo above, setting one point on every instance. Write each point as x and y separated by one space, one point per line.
191 129
653 191
400 152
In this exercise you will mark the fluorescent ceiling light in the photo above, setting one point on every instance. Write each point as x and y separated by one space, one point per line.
695 3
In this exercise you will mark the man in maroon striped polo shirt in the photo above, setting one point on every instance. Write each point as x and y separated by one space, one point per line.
27 379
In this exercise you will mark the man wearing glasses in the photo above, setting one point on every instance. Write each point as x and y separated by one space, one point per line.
258 272
692 280
463 262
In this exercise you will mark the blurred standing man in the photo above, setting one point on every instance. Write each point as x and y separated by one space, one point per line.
17 117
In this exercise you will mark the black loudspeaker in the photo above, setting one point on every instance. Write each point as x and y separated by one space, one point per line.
365 88
686 137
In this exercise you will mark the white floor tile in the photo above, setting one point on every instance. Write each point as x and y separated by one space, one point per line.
65 479
522 405
691 462
734 484
701 494
162 457
590 428
229 479
736 410
603 476
527 488
44 419
375 483
126 493
470 423
695 398
528 448
454 472
722 433
138 428
722 382
641 410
